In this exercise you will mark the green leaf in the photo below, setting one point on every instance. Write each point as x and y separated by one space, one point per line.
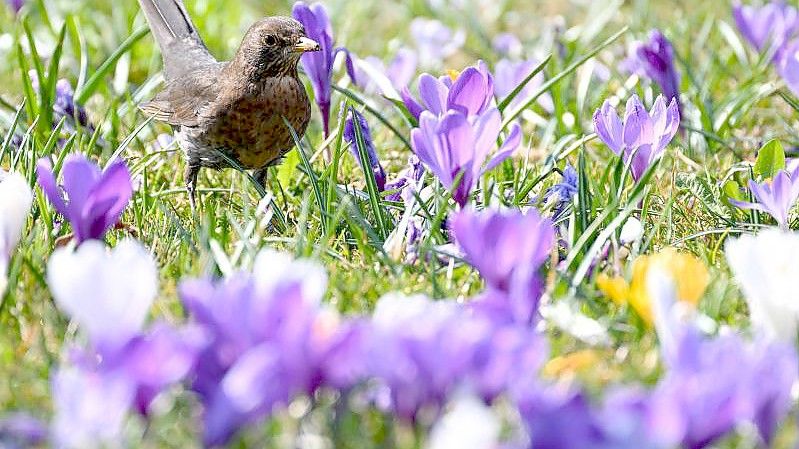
770 159
732 191
285 171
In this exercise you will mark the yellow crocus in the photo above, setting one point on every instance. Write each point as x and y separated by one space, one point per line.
689 274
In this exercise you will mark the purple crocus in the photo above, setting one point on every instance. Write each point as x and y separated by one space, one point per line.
643 135
318 65
769 27
399 73
509 74
717 384
654 59
95 199
16 5
563 192
434 40
456 148
267 340
508 249
350 137
64 104
788 66
507 44
471 93
19 430
775 197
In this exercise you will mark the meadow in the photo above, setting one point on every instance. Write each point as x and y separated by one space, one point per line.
510 224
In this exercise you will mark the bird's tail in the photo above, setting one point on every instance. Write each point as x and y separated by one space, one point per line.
181 46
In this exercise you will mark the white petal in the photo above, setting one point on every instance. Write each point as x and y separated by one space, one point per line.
272 268
15 204
767 267
107 292
468 425
632 231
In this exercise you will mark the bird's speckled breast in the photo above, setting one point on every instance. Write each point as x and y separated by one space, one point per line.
250 128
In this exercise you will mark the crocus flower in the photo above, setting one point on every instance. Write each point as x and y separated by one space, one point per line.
350 138
507 248
15 203
318 65
20 431
405 183
387 80
766 266
718 385
94 199
768 27
643 136
507 44
107 292
563 193
267 340
456 148
509 74
90 409
655 60
470 93
788 66
775 197
469 424
435 41
64 104
16 5
688 272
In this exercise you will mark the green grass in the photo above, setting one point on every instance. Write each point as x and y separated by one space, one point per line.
734 103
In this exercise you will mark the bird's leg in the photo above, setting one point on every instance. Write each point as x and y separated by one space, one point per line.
260 176
190 177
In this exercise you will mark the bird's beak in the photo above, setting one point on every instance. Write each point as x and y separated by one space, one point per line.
305 44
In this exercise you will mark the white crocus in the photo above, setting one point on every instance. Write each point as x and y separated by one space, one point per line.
469 424
15 204
632 231
108 292
767 268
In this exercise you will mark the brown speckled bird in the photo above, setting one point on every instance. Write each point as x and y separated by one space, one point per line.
235 107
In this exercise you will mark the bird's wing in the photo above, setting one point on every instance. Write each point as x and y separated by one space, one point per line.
181 46
185 101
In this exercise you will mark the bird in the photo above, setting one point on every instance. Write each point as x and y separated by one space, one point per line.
237 108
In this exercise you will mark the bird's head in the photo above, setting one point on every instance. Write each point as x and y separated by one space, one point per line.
273 46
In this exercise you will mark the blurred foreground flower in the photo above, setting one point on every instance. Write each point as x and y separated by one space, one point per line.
688 272
469 424
655 60
15 204
107 292
718 384
20 431
775 197
267 340
456 148
767 266
354 117
508 249
318 65
94 199
769 27
642 137
471 93
90 409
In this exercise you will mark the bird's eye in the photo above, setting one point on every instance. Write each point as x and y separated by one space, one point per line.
270 39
